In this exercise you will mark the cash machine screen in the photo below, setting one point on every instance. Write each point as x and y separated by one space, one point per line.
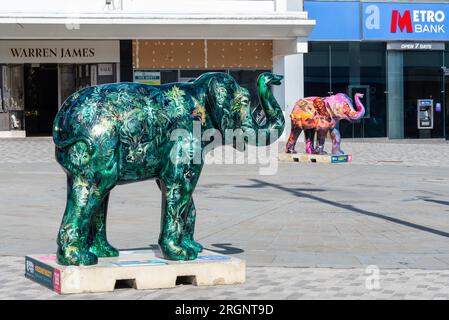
425 114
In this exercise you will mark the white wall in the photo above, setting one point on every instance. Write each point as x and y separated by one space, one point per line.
292 88
154 19
145 6
295 5
292 68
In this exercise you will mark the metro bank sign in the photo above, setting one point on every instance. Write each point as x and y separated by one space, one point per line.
424 21
405 21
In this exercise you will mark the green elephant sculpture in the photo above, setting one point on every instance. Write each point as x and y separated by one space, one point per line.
120 133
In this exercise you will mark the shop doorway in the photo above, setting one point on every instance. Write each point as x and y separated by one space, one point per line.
41 98
446 102
423 82
350 67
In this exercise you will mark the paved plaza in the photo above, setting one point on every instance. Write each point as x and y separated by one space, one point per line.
377 228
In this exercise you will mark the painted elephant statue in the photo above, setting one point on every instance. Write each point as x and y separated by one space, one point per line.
321 115
120 133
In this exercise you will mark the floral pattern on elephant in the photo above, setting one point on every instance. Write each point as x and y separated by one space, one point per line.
321 115
120 133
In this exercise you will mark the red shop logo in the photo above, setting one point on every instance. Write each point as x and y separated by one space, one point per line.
418 21
403 21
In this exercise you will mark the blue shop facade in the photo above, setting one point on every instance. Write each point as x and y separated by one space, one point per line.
396 53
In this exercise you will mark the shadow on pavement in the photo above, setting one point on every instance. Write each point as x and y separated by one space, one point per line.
297 192
226 248
445 203
150 247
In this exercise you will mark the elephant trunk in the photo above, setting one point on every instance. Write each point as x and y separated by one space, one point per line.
356 115
261 135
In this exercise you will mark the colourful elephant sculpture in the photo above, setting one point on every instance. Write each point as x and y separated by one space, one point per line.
119 133
321 115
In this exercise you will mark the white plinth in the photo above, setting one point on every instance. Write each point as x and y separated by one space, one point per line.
140 269
315 158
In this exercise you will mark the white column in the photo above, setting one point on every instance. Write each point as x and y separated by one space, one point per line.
295 5
292 88
281 5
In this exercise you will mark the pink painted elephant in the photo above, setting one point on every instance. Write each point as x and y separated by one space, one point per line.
321 115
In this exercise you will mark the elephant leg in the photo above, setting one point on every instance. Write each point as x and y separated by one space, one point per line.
83 198
321 138
177 183
294 135
336 140
189 217
99 243
309 133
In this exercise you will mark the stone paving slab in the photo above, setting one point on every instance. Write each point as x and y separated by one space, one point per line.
364 151
262 283
311 222
27 150
304 216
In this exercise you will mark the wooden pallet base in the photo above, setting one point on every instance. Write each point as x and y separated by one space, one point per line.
139 269
315 158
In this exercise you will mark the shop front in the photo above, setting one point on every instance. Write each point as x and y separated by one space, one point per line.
416 81
394 53
37 76
174 40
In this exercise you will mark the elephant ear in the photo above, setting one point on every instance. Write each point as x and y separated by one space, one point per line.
329 109
322 108
220 97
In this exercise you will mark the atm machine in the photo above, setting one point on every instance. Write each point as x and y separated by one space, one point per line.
425 117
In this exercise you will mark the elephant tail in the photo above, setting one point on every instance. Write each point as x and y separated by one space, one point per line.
63 133
66 147
63 144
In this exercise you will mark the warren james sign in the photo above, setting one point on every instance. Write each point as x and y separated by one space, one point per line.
405 21
53 51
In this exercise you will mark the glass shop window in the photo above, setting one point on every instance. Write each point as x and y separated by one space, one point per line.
446 89
317 72
248 79
169 76
68 80
349 67
83 76
12 97
423 78
106 73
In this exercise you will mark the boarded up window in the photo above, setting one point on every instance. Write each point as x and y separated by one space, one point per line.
168 54
203 54
239 54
